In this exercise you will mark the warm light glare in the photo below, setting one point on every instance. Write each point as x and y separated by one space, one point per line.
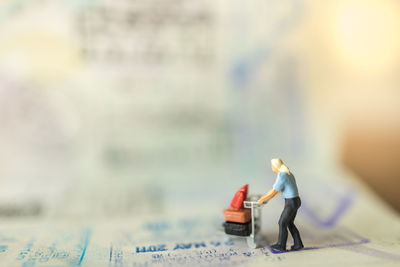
366 34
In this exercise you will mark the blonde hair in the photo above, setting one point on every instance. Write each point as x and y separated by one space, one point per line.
278 163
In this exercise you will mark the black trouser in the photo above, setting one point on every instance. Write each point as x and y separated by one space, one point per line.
287 221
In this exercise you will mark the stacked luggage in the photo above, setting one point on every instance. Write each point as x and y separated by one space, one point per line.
238 218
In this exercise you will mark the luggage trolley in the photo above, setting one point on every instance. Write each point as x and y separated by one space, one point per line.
251 203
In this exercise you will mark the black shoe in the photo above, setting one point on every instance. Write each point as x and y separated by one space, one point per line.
297 247
278 247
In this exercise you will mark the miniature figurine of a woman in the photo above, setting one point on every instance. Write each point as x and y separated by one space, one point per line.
286 184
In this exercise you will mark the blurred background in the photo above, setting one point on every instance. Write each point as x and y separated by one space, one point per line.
126 107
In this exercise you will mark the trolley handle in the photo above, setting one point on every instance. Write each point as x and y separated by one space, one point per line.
255 204
251 201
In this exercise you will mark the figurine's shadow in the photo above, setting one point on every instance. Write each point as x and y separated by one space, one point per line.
265 242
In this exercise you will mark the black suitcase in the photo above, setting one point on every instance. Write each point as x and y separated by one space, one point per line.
239 229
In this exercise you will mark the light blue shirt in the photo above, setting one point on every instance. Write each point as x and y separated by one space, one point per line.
286 184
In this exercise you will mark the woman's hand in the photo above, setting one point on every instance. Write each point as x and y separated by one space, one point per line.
261 200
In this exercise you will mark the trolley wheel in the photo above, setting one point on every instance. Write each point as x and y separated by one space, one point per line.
250 242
